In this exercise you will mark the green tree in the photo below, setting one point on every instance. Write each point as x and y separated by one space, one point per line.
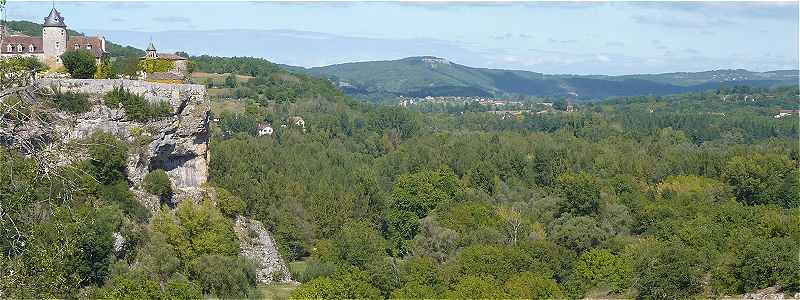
225 276
349 283
668 271
80 63
581 194
413 197
527 285
358 243
230 81
758 178
157 259
483 176
476 287
105 70
770 262
109 157
229 204
600 266
195 230
578 233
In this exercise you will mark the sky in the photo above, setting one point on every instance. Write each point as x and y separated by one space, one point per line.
610 38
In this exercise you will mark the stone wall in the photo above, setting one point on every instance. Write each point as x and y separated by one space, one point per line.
179 143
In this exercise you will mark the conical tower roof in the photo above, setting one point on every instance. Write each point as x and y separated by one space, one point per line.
54 19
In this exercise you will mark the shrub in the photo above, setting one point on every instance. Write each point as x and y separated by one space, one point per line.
105 70
136 107
315 269
71 102
196 230
109 157
225 276
229 204
157 183
80 63
528 285
119 194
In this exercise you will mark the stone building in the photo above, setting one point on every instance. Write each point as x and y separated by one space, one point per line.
55 40
178 73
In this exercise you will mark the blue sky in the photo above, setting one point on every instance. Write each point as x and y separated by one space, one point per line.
550 37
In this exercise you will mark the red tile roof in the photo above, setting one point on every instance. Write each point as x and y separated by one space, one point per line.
83 41
25 41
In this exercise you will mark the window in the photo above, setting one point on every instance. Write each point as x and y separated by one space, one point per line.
31 48
77 46
19 47
9 48
58 45
89 46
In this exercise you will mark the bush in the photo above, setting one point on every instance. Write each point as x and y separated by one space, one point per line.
358 243
315 269
136 107
157 183
528 285
80 63
71 102
109 157
349 283
225 276
119 194
196 230
229 204
105 71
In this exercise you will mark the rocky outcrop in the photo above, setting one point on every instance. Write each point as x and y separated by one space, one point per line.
257 244
177 144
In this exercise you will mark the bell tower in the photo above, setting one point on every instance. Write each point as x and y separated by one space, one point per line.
151 51
54 35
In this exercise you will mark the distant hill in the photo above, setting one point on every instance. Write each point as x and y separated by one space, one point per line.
35 29
433 76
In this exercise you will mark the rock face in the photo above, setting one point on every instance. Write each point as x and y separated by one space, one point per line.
257 244
177 144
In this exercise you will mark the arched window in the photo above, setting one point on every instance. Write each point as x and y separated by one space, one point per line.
9 48
58 45
89 46
19 47
77 46
31 48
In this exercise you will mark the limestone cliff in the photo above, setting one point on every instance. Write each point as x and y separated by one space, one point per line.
178 144
257 244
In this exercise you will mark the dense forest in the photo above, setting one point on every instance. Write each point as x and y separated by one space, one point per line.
681 196
689 195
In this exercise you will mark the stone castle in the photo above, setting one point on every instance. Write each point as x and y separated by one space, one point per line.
55 40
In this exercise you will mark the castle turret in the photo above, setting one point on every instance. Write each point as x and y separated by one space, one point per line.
54 35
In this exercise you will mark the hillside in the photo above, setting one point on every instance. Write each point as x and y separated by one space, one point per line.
432 76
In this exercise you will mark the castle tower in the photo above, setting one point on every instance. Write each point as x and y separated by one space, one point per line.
54 35
151 51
